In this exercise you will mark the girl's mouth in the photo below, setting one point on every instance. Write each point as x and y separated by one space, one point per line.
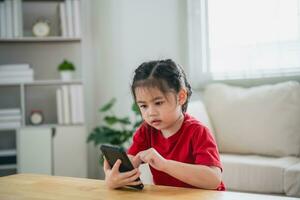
155 122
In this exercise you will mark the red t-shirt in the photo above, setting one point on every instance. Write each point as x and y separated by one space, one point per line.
193 143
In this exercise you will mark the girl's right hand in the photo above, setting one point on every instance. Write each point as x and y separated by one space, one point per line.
114 179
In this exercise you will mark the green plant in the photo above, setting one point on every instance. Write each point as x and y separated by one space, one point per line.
66 66
116 130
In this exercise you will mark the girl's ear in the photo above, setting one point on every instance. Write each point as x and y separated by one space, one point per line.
182 96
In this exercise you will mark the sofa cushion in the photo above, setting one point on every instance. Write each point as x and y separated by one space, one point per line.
251 173
292 180
197 109
259 120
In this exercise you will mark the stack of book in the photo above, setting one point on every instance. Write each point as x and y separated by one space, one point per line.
16 73
11 20
70 106
10 118
70 18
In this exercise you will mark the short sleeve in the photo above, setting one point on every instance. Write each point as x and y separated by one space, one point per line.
140 140
205 150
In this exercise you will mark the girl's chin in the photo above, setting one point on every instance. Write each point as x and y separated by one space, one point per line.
156 125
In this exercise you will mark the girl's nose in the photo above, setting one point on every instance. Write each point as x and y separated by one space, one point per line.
152 111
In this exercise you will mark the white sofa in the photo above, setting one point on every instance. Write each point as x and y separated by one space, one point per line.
258 134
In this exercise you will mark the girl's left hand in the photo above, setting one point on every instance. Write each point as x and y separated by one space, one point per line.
153 158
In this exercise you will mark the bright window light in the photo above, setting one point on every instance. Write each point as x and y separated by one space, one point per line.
248 38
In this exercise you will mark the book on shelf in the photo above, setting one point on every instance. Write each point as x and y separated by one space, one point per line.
16 80
70 105
20 18
74 104
76 13
59 106
2 20
10 111
5 118
17 18
14 67
16 73
11 73
10 125
62 17
69 15
66 104
10 118
8 16
11 19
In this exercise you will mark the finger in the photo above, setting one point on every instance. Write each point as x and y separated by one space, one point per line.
128 174
106 165
136 161
135 183
134 177
150 159
144 154
146 157
116 166
131 179
141 153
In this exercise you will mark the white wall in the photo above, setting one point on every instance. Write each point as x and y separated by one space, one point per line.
124 34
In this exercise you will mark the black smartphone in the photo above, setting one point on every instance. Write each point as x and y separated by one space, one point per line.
112 154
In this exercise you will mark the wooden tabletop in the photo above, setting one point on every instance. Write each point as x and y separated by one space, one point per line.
33 187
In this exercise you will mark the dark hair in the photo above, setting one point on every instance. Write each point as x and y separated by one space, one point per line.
166 75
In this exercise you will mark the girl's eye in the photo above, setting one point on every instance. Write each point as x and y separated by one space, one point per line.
159 103
142 106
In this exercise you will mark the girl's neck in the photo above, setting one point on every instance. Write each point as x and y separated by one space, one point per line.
171 130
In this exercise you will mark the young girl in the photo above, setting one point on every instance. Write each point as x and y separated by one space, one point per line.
179 149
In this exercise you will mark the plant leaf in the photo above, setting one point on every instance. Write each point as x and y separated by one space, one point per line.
113 120
124 120
108 105
107 133
110 120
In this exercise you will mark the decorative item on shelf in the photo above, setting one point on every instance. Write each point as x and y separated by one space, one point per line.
36 117
116 130
66 70
41 28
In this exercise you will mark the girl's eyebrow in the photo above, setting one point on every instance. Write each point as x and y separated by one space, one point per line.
154 99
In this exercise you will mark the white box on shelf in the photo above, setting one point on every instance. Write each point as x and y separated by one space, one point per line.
59 106
66 104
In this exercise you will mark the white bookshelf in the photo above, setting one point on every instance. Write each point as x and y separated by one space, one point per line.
53 82
44 82
40 39
19 16
44 54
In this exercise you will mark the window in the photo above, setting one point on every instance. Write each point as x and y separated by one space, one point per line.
236 39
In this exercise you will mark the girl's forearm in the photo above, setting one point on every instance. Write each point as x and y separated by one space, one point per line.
200 176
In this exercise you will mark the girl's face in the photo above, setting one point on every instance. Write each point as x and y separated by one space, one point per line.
159 110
